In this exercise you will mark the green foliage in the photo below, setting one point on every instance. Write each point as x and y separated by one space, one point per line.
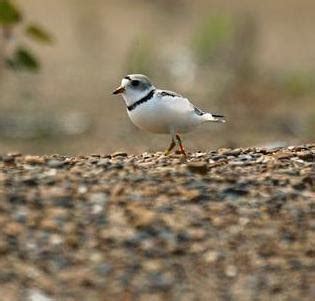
21 58
9 14
213 33
38 34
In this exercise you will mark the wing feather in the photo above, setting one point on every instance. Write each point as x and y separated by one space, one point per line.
168 93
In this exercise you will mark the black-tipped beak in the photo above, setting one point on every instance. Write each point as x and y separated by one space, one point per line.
119 90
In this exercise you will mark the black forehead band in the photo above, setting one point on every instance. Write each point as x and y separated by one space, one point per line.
127 77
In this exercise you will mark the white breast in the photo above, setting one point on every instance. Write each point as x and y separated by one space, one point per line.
163 114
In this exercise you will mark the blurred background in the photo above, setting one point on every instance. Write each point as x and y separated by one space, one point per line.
253 61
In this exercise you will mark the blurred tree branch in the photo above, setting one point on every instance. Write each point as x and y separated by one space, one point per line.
13 54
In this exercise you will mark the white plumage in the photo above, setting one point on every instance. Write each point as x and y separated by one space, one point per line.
161 111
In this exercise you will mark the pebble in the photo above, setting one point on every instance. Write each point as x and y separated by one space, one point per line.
198 167
55 163
104 162
34 160
141 217
211 256
231 271
119 154
98 198
13 229
159 281
103 269
8 159
37 295
307 156
233 152
283 155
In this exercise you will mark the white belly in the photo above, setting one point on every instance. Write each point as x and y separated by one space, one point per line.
160 116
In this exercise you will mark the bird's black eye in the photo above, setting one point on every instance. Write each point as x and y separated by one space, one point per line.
135 83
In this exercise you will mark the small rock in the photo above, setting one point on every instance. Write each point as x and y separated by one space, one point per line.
37 295
159 281
98 198
96 257
231 271
55 163
199 155
30 181
34 160
224 150
119 154
245 157
82 189
152 265
191 195
198 167
15 154
49 225
117 166
140 216
8 159
103 269
72 241
236 190
218 157
56 239
21 215
307 156
211 256
103 162
283 155
13 229
234 152
196 234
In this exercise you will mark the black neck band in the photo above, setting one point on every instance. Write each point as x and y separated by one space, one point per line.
142 100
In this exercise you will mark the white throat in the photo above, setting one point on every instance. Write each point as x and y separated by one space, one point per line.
131 96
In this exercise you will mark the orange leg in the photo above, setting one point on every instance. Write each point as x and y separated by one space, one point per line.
182 150
172 145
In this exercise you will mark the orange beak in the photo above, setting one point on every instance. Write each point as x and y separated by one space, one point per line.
119 90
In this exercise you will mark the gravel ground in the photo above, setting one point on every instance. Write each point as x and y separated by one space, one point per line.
231 224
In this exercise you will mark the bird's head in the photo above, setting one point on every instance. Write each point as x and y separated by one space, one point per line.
133 87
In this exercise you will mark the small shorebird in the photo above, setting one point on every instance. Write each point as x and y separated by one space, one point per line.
161 111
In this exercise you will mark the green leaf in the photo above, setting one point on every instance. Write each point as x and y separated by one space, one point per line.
9 14
39 34
26 59
23 59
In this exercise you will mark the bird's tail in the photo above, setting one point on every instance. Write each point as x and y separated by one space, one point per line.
214 117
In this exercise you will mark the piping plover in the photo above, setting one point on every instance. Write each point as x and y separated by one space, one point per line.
161 111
